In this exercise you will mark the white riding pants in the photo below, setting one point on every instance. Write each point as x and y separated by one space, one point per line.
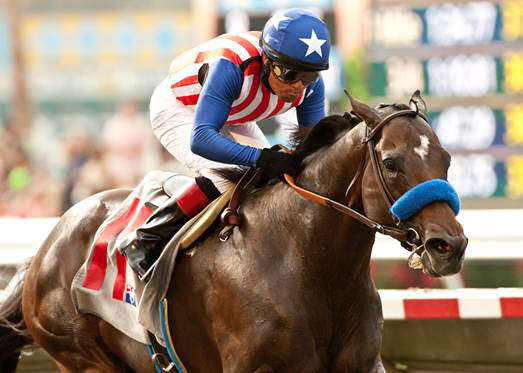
172 123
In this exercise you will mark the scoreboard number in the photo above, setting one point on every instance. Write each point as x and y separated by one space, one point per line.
473 175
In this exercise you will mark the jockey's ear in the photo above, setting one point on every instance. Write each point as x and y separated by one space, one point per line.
417 101
364 112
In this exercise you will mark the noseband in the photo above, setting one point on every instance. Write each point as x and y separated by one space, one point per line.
408 236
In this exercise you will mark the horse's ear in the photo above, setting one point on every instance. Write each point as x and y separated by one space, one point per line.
417 103
364 112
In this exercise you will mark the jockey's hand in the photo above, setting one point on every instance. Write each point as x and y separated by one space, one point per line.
277 163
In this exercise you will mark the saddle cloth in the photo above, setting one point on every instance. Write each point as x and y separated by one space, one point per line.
107 287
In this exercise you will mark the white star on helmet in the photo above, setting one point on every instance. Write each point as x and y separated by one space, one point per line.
277 18
313 44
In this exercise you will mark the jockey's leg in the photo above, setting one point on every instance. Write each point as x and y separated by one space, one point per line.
172 124
143 246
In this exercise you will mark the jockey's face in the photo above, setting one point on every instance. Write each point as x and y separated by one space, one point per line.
286 91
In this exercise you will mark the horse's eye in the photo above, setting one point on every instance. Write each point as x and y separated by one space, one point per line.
390 165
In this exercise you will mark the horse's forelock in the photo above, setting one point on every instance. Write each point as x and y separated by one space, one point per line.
394 106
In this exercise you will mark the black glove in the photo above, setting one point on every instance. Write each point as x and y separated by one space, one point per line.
278 163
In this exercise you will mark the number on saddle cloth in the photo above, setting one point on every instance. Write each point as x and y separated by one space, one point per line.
424 194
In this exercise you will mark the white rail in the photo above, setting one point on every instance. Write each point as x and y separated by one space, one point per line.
452 303
493 235
21 237
424 304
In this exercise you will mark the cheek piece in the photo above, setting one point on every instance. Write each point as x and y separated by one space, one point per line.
424 194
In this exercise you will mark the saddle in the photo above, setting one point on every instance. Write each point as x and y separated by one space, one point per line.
230 216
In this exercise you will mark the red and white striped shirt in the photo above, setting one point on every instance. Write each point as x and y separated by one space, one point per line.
255 102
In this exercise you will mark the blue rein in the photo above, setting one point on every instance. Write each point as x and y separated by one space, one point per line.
423 194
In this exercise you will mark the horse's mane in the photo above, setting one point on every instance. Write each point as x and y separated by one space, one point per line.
306 141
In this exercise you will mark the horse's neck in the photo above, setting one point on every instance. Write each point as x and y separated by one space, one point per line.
326 237
329 170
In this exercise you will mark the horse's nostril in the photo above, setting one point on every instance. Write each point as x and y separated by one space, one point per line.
439 245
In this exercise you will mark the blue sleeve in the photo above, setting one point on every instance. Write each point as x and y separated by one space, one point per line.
222 86
312 109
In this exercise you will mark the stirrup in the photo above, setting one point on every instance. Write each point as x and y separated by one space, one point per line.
136 257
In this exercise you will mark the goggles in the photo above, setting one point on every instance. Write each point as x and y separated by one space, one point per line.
290 76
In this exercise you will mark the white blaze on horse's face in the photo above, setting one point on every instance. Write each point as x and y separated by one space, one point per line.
423 149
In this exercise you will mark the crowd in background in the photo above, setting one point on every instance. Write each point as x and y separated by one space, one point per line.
26 189
117 156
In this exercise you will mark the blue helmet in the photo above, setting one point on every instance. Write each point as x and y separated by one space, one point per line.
297 39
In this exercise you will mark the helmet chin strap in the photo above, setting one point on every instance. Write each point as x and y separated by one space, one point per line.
266 70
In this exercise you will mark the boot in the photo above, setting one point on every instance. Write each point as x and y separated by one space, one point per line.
143 246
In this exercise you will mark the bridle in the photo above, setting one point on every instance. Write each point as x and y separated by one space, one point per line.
408 236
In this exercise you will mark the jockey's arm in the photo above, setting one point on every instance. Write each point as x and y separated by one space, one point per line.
222 86
312 109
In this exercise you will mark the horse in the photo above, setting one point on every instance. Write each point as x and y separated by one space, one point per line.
290 290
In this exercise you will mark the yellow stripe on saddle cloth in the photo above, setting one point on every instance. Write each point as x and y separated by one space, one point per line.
206 219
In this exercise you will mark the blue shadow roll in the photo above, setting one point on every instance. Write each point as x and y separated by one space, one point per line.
424 194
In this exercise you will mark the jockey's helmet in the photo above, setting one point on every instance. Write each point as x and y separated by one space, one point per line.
297 39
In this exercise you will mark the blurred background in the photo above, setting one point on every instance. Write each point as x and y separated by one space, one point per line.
76 78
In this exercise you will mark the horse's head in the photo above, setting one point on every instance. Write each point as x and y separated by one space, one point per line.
408 153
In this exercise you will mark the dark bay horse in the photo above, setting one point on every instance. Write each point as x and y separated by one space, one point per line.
289 291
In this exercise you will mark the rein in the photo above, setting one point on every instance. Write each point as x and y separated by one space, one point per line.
400 233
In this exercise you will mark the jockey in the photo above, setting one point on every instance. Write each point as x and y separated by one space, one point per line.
205 112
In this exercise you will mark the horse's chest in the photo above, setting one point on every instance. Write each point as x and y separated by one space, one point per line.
274 309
